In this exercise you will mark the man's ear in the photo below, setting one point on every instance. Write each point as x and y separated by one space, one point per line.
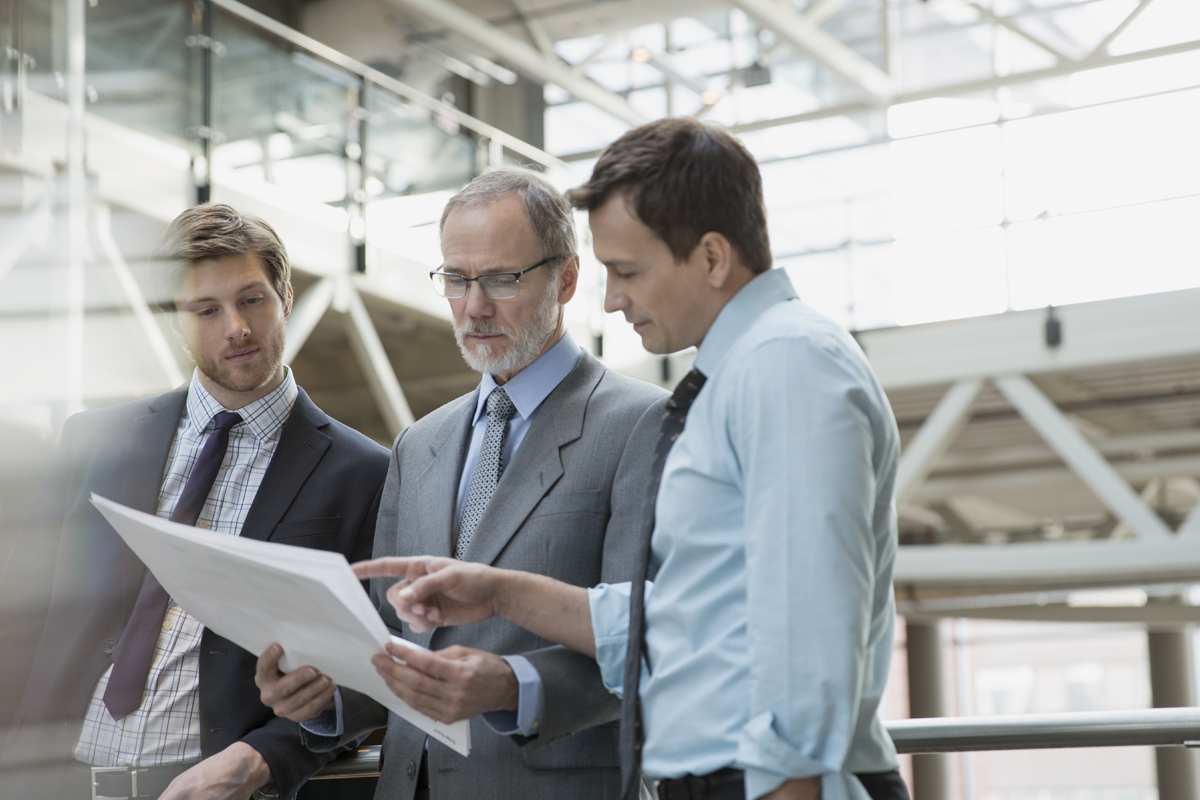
717 255
289 301
177 330
568 279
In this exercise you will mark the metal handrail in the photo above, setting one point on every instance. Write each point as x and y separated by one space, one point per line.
327 53
1156 727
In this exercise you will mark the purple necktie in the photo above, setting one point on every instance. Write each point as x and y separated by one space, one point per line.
134 652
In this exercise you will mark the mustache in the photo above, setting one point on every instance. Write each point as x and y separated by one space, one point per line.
249 345
485 328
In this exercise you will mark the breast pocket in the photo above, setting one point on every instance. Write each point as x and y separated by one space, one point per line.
584 501
319 533
566 533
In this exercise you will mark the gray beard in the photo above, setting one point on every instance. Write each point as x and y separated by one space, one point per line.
525 347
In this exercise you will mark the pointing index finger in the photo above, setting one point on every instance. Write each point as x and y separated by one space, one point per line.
393 567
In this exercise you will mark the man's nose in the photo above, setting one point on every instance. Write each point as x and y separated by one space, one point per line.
614 300
478 305
236 327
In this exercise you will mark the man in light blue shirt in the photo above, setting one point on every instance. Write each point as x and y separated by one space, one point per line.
542 468
767 629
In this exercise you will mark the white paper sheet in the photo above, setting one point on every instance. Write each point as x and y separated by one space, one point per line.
255 593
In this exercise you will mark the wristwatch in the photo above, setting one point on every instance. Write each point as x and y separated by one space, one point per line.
268 791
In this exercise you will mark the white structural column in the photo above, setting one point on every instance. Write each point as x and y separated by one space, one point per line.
1081 457
76 201
1171 677
823 48
927 698
306 313
521 56
935 437
137 300
365 341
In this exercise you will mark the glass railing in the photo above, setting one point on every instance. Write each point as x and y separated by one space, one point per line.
173 103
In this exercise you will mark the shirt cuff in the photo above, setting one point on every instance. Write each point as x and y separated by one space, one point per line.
527 719
328 723
609 607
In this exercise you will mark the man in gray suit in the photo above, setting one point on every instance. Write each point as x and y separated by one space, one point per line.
543 468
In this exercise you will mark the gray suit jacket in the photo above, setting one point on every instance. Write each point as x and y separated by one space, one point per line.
568 506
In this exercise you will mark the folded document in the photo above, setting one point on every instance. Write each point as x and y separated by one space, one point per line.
255 593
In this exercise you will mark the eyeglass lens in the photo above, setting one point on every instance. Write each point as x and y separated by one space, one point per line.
495 287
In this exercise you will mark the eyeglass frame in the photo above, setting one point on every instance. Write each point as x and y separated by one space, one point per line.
467 281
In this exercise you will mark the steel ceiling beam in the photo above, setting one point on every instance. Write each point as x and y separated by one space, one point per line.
968 87
307 311
1127 329
522 56
934 438
1009 25
1081 457
820 10
1102 48
1049 564
824 49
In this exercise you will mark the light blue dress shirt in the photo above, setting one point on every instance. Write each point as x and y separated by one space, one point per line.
770 618
527 390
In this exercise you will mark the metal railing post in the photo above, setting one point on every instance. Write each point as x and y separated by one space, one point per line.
1171 687
926 698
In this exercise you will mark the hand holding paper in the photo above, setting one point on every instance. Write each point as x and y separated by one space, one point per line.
258 593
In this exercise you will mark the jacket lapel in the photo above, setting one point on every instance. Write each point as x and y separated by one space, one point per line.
537 465
437 485
302 443
143 464
147 448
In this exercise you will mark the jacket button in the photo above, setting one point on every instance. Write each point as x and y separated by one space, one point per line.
110 645
412 770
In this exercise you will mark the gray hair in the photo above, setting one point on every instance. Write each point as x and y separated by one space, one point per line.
547 208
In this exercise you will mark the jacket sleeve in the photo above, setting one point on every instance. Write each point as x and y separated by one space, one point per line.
28 578
295 754
573 690
360 716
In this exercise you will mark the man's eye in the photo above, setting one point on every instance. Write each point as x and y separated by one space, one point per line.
206 312
455 281
501 280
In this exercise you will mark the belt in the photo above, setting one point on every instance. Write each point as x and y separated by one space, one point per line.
128 783
727 784
724 784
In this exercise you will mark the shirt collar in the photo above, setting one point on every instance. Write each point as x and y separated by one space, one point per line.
529 387
264 417
743 309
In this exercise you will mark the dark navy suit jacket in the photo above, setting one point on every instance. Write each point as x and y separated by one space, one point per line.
70 584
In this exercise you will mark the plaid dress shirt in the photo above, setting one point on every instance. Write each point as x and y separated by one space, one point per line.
166 728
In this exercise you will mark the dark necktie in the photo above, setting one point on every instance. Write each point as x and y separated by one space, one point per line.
631 711
134 653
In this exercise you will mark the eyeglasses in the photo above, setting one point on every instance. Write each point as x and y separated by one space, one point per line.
494 285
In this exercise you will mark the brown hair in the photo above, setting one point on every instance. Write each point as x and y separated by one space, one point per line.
214 230
684 179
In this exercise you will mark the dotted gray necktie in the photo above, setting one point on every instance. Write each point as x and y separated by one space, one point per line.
487 469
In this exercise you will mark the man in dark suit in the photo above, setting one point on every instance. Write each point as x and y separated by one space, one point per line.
109 688
544 468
